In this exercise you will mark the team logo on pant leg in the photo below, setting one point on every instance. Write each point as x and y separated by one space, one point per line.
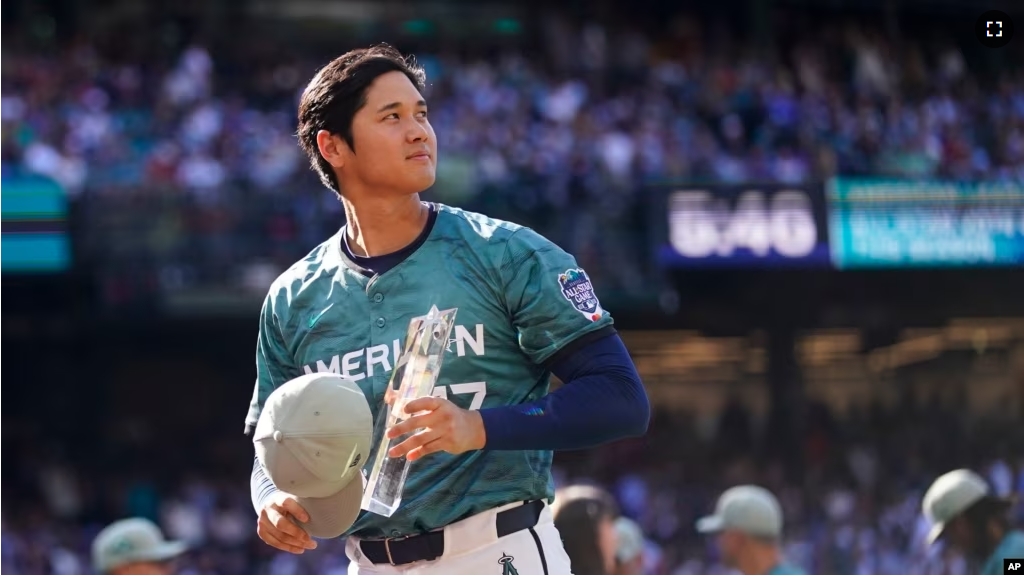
579 291
506 564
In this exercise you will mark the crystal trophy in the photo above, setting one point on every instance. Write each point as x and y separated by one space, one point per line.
415 374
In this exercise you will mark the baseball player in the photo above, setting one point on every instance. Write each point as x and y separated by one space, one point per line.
475 500
964 512
134 546
585 517
748 525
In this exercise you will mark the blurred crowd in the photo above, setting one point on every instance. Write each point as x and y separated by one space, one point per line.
605 106
852 506
194 156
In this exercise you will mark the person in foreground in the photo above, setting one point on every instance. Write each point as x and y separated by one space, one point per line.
965 514
748 524
134 546
585 517
476 499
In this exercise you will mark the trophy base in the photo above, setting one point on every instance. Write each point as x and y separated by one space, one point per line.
384 493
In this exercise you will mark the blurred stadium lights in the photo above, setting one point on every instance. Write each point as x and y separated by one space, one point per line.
508 26
346 11
688 368
392 21
411 13
418 26
847 5
684 355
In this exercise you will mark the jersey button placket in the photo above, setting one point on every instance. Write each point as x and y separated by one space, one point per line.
380 377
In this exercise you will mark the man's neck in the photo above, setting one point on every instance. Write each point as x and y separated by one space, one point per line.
759 560
378 226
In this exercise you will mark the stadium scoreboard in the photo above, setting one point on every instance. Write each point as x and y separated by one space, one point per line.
849 223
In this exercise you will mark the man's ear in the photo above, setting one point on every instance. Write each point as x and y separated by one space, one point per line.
333 148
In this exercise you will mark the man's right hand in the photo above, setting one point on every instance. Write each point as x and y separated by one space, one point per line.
277 528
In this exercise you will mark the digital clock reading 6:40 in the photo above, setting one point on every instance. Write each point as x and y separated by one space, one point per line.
702 225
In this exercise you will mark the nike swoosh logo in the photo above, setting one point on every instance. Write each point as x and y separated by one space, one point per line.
315 319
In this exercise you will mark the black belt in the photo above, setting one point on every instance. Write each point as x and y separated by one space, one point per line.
429 546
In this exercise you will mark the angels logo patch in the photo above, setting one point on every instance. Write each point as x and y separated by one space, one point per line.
578 290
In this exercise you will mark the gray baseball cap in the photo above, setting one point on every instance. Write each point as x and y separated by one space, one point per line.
748 509
312 437
949 496
132 540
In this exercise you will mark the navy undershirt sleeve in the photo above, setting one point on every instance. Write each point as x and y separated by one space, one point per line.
602 400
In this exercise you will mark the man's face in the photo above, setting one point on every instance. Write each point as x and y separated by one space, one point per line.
730 544
959 535
395 149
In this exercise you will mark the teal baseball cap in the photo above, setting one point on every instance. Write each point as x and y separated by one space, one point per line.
312 438
747 509
129 541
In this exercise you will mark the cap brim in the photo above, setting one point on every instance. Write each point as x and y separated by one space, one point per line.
165 551
936 532
710 524
330 517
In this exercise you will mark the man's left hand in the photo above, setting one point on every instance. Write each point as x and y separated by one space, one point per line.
445 428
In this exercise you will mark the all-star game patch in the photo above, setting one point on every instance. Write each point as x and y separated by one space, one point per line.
579 291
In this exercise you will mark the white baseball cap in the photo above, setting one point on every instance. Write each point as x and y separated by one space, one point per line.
950 496
132 540
748 509
312 438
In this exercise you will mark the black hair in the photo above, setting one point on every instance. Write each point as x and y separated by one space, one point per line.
578 512
338 91
980 516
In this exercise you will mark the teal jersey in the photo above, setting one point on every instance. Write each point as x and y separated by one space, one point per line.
1012 546
783 568
520 300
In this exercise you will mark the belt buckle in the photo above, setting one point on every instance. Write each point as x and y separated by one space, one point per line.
387 548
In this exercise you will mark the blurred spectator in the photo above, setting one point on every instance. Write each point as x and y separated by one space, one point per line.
585 517
131 546
629 555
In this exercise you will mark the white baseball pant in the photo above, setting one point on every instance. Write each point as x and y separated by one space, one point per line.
472 546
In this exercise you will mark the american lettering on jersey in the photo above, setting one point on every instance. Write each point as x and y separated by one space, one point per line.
359 364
